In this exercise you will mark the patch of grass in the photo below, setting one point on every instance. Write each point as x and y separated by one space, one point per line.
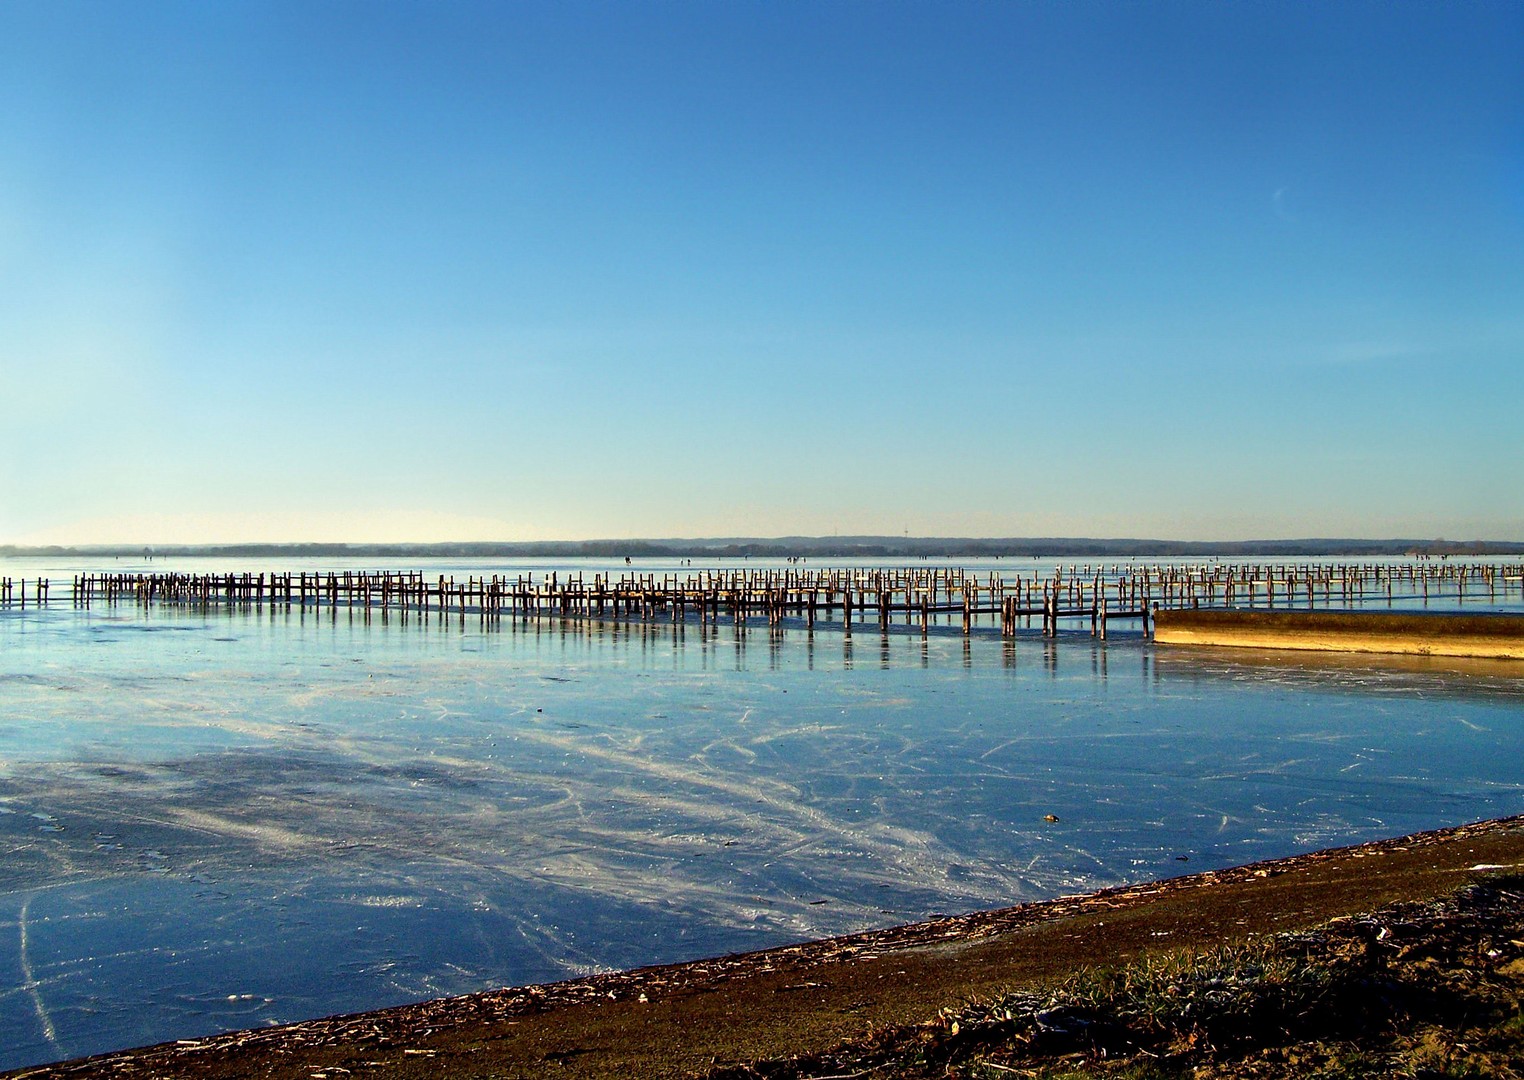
1232 992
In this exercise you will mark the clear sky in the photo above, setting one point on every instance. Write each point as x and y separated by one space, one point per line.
520 270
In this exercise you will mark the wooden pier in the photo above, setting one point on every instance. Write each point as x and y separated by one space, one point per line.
1093 595
844 598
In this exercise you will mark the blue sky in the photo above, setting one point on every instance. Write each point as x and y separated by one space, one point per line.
388 271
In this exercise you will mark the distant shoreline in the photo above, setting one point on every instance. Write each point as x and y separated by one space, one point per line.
850 547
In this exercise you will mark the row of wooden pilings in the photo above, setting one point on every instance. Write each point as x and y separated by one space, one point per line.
850 597
922 596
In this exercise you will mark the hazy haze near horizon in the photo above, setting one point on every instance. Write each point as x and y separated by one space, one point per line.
380 272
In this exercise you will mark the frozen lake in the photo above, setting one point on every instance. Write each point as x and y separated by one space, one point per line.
232 819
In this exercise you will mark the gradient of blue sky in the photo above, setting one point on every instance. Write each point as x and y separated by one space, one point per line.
518 270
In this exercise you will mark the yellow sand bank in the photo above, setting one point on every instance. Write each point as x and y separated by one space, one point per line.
1411 633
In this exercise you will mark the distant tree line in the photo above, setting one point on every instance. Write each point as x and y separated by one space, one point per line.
859 547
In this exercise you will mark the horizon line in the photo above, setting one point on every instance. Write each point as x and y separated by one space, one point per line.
852 544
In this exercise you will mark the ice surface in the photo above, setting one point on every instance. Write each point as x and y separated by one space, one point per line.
221 821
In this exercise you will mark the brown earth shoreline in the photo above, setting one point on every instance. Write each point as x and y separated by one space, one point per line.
688 1019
